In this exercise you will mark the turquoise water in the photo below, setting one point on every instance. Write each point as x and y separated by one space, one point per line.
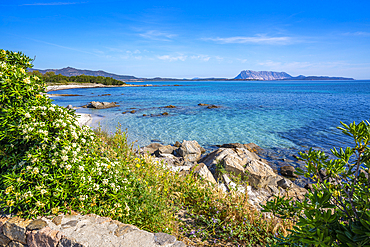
282 116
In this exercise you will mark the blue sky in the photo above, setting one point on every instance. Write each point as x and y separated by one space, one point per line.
186 39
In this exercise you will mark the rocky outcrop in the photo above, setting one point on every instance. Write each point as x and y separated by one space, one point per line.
100 105
262 75
232 167
79 231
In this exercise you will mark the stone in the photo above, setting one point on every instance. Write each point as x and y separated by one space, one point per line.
37 225
15 229
69 107
201 104
151 148
124 112
168 149
164 238
139 238
233 164
71 223
16 244
190 151
252 147
67 242
232 145
170 106
260 174
284 183
125 228
288 171
144 115
100 105
179 244
133 111
45 237
164 114
308 187
212 107
202 170
177 144
57 220
4 240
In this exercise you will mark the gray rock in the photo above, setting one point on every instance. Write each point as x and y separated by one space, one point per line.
100 105
202 170
69 107
164 238
16 244
15 229
151 148
4 240
57 220
66 242
288 171
190 151
71 223
124 228
284 183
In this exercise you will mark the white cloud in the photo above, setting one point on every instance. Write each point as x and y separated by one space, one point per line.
364 34
204 58
157 35
259 39
172 58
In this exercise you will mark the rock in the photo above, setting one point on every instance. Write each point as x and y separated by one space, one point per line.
57 220
151 148
202 170
165 150
201 104
190 151
164 238
308 187
252 147
133 111
124 112
212 107
4 240
232 145
100 105
69 107
16 244
71 223
37 225
288 171
177 144
284 183
164 114
170 106
144 115
233 164
68 242
44 237
260 174
124 228
15 229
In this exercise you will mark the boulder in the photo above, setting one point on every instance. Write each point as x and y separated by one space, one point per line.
100 105
260 174
190 151
288 171
201 104
164 114
170 106
168 149
202 170
212 106
151 148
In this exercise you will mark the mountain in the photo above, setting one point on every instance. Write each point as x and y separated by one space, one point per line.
69 71
262 75
270 75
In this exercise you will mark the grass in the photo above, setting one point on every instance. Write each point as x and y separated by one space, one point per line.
190 208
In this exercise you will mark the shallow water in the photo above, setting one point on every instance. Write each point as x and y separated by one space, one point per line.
283 117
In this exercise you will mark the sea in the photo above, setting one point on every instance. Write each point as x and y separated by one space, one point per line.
282 117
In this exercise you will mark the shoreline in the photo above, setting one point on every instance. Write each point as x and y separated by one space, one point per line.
91 85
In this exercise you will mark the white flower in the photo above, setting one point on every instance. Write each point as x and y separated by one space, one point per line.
83 140
105 181
68 167
27 80
96 186
27 115
43 191
81 168
22 70
53 162
83 197
57 139
36 78
51 109
29 168
64 157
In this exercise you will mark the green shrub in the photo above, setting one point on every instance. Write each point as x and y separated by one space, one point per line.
50 165
336 211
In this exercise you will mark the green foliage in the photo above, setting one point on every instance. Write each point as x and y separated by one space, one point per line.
53 78
336 211
50 165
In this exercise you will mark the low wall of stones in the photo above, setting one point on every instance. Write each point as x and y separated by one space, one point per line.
78 231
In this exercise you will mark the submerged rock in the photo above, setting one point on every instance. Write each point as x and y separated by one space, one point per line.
100 105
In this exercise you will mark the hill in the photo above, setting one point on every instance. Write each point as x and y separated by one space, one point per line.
271 76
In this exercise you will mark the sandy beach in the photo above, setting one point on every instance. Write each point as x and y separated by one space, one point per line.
89 85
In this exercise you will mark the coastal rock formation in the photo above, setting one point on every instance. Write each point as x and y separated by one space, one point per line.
100 105
225 166
79 231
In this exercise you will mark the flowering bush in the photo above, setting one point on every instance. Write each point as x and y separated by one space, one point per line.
49 164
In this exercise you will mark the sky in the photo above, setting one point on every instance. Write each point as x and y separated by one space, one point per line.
188 39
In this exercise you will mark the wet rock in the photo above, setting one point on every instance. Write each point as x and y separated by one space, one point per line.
201 104
288 171
133 111
202 170
212 106
100 105
252 147
69 107
170 106
144 115
124 112
164 114
177 144
232 145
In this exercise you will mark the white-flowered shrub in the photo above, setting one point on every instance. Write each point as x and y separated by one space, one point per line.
49 164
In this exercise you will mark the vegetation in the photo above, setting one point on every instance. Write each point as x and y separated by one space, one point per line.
51 77
336 211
